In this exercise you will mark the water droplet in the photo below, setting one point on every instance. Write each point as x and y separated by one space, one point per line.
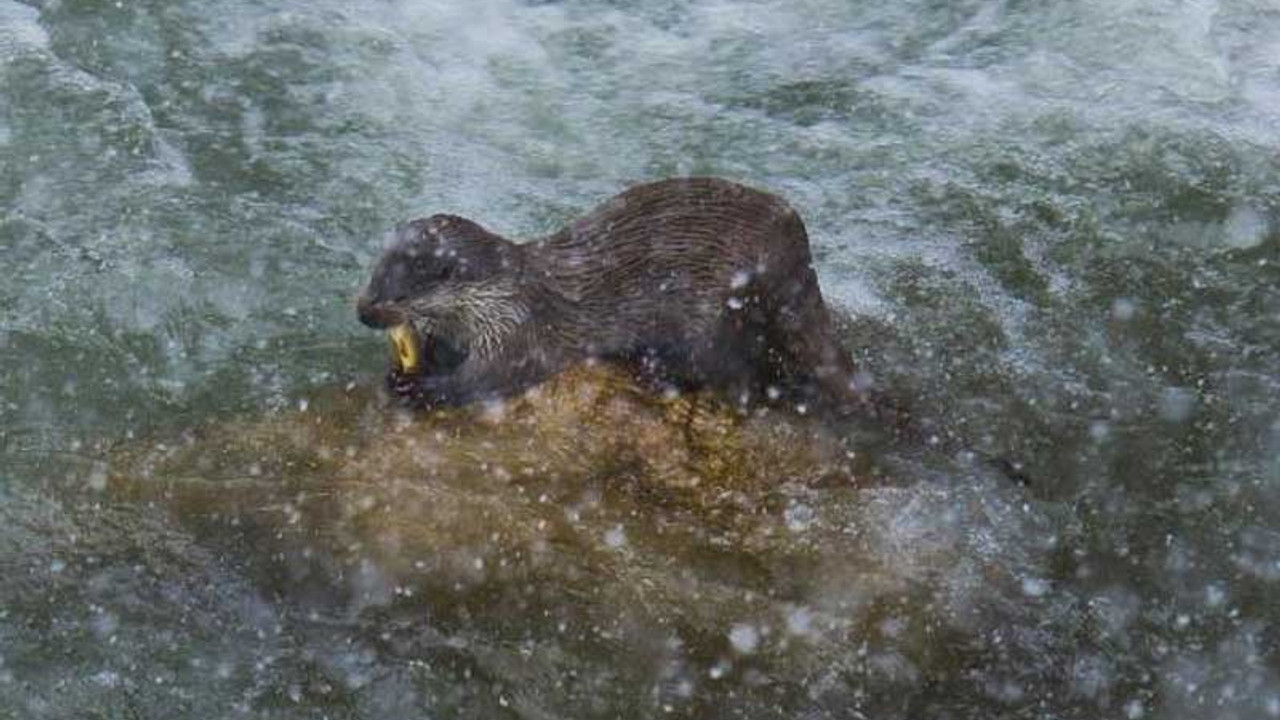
1034 587
1176 405
1245 228
1100 431
863 380
1123 309
744 638
800 621
97 479
798 516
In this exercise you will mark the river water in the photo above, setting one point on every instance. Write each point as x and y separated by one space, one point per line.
1052 228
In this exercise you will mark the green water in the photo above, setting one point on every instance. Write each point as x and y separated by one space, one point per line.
1052 228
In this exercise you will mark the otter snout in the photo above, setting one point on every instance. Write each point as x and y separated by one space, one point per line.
380 303
379 314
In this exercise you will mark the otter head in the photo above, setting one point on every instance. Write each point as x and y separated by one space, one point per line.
446 290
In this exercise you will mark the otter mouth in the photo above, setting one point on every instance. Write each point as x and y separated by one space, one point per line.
414 353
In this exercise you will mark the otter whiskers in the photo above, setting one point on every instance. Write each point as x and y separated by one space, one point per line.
477 315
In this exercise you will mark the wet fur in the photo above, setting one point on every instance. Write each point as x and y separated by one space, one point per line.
692 282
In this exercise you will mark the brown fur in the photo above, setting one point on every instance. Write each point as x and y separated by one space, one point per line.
693 282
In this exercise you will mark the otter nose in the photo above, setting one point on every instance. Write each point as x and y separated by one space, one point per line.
376 314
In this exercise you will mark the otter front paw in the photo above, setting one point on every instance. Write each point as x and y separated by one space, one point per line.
402 386
420 391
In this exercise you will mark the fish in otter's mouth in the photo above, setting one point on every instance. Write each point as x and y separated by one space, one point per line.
404 345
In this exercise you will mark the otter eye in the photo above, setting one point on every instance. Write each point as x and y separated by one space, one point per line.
432 270
393 281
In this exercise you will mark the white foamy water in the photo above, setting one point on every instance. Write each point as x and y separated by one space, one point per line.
20 32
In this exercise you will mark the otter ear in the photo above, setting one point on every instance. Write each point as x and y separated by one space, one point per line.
414 238
474 252
455 232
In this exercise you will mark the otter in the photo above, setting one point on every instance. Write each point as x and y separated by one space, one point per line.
693 283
